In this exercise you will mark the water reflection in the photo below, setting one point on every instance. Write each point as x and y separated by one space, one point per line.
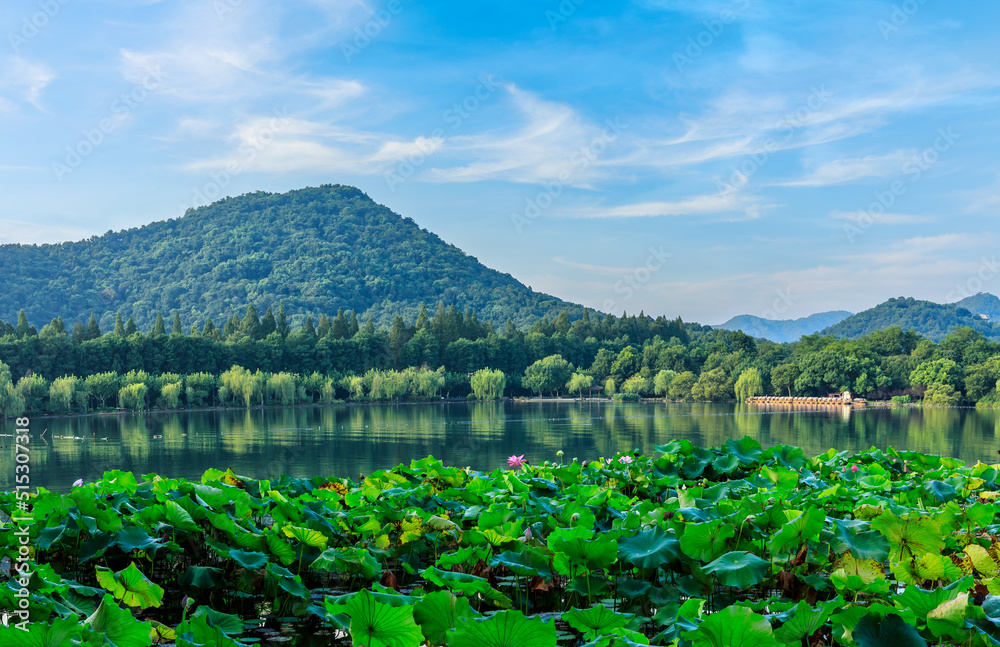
353 440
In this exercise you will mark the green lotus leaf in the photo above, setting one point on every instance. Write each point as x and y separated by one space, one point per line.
650 548
201 577
940 491
798 531
739 569
921 601
279 548
229 624
131 586
248 559
58 632
468 584
706 541
733 627
374 624
862 544
575 547
180 518
135 538
505 629
595 621
438 612
307 536
873 631
747 450
526 563
118 626
910 537
805 622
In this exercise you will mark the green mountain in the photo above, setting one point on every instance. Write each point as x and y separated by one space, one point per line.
784 330
932 320
315 250
981 304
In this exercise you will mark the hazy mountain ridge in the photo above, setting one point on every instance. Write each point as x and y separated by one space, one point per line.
784 330
314 249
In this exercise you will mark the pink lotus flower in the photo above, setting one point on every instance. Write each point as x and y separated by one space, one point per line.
609 461
516 461
78 483
625 460
854 468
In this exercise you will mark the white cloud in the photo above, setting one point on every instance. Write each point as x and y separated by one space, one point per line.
23 80
553 142
844 171
884 219
717 203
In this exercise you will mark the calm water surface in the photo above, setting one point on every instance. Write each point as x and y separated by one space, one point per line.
353 440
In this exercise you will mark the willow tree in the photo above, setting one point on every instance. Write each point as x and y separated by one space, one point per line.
749 385
488 384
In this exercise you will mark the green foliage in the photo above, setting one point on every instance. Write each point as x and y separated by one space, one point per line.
547 375
881 555
749 384
488 384
932 320
300 247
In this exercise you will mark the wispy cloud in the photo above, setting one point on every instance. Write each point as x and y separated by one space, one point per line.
22 80
848 170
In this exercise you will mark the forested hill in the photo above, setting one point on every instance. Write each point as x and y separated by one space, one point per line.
982 304
316 250
784 330
932 320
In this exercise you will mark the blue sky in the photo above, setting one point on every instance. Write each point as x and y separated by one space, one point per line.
696 158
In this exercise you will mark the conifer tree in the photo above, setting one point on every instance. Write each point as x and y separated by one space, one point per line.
176 328
283 328
353 328
310 328
23 327
79 333
250 326
130 327
324 326
423 321
119 325
93 330
339 325
268 324
160 327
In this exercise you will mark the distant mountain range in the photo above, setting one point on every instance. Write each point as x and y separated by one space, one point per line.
932 320
784 330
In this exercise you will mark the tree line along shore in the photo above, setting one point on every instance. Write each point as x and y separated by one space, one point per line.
253 361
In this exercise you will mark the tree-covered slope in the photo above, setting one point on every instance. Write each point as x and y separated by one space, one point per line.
315 250
981 304
932 320
784 330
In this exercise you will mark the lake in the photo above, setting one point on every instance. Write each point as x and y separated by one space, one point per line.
354 440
